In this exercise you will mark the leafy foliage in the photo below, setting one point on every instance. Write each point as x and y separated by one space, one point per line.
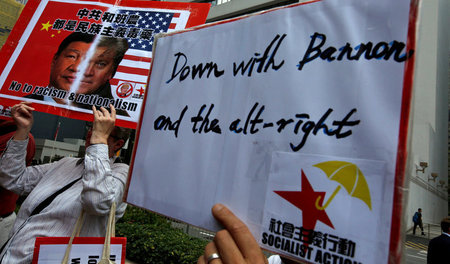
151 239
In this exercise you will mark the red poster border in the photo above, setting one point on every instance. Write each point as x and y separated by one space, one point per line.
395 245
77 240
199 13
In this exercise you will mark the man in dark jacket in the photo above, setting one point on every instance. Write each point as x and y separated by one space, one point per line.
439 247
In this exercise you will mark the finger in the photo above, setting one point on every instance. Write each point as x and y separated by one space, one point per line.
27 105
209 250
29 108
238 231
94 111
228 250
24 103
25 110
104 111
201 260
113 111
25 113
15 107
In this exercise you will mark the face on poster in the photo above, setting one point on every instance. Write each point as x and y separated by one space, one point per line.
73 55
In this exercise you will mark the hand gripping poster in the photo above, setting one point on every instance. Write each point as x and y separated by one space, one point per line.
67 56
295 118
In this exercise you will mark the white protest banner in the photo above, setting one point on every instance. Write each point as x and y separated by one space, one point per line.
295 118
51 250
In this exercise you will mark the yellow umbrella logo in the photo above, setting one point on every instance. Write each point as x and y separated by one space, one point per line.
347 175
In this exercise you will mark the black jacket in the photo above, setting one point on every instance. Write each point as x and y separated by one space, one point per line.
439 250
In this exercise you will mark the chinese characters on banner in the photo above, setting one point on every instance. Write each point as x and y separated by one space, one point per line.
295 118
67 56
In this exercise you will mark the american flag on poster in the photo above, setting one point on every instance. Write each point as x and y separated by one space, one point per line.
135 66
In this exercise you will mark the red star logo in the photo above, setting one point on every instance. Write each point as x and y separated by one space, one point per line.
141 91
305 201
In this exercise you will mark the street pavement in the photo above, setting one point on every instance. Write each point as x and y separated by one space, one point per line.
416 246
415 249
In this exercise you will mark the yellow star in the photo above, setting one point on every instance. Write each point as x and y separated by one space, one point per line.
46 26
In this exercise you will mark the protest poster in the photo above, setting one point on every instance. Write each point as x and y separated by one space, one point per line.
67 55
51 250
295 118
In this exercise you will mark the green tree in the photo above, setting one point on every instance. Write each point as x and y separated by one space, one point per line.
151 239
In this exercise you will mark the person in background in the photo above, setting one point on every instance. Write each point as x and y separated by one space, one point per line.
417 219
8 199
439 247
58 192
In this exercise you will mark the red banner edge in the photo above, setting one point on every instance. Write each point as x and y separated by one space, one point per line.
396 247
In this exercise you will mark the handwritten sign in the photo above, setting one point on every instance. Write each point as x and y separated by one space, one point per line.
295 118
67 56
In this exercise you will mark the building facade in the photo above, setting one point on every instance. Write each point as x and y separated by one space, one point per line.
428 186
9 13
